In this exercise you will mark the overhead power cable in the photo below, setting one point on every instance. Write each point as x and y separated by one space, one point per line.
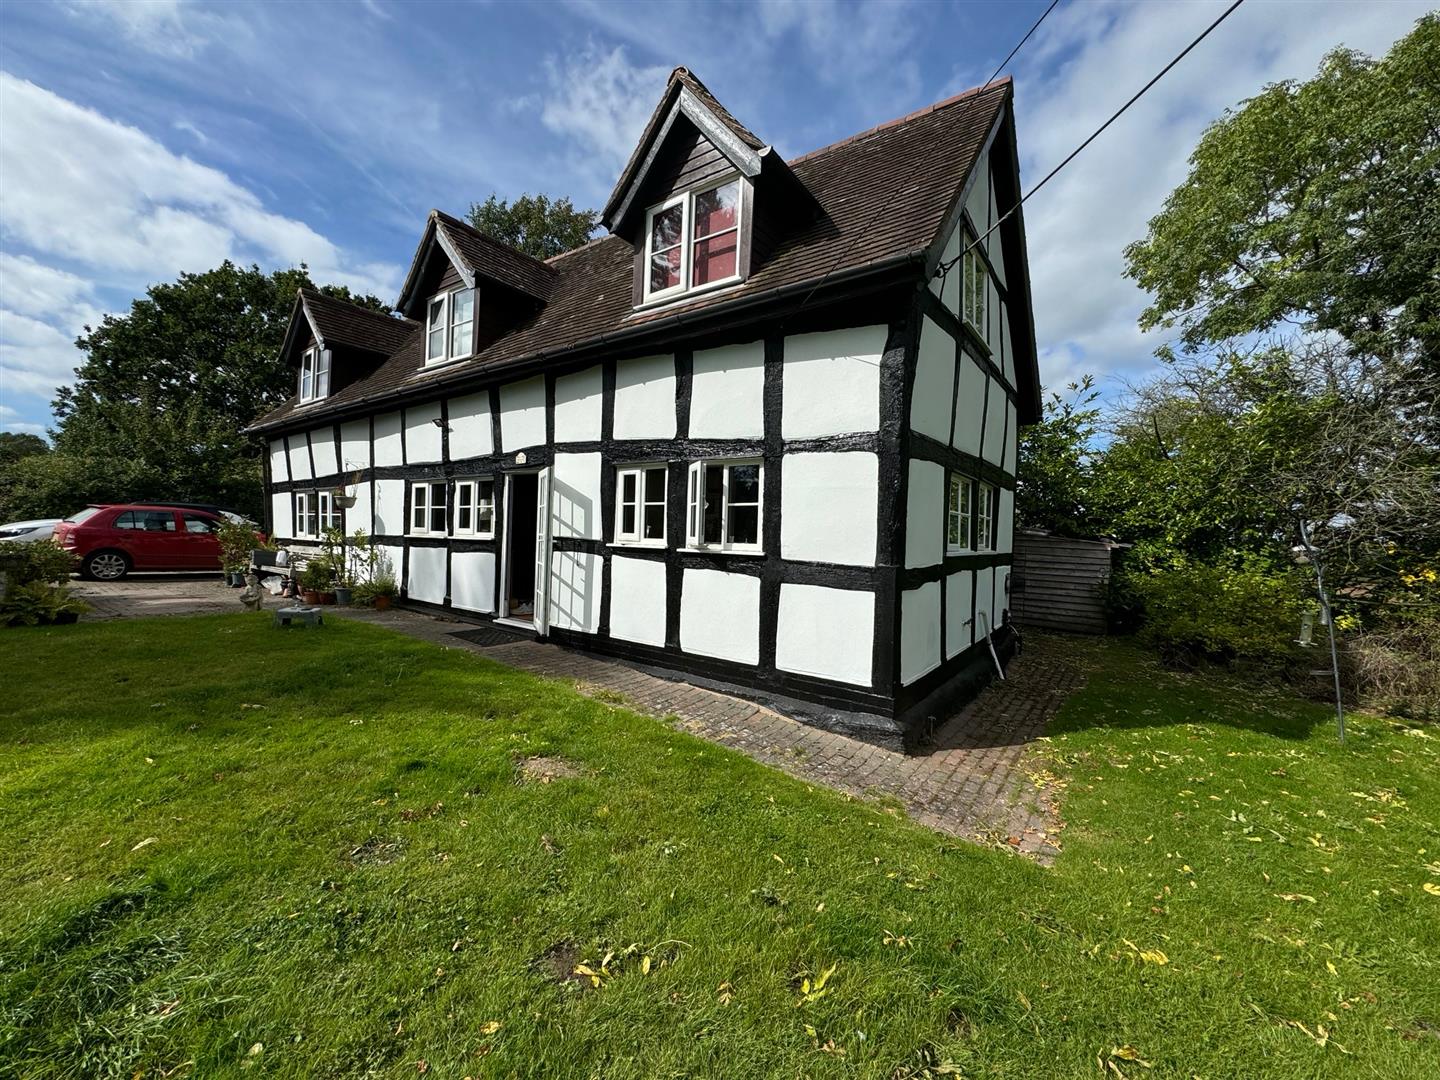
849 247
946 267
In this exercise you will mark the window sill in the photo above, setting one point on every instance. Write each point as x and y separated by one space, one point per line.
975 337
449 361
641 545
679 298
466 536
748 553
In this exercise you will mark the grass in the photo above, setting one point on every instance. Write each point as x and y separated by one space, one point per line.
231 850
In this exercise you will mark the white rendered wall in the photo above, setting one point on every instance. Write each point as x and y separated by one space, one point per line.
959 626
720 615
470 434
949 290
827 507
324 451
934 383
637 600
522 415
389 509
1005 344
996 241
831 382
575 503
575 586
279 465
280 515
995 424
355 445
977 200
578 401
390 560
422 433
472 580
1012 437
925 514
359 516
919 631
828 633
984 593
300 457
387 439
969 406
645 398
425 576
1005 534
727 390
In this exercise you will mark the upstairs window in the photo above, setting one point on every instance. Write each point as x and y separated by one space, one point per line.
475 508
975 291
959 513
692 241
450 326
427 508
641 505
315 374
723 505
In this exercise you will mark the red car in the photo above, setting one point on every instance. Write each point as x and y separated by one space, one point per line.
110 541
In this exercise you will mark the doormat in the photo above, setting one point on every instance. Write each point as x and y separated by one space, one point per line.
485 637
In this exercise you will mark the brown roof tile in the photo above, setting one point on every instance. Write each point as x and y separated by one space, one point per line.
498 261
885 194
343 323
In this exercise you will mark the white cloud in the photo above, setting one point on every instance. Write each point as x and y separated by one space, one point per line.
1080 67
167 28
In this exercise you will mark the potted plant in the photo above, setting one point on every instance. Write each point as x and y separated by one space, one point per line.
237 541
315 580
35 580
344 495
379 592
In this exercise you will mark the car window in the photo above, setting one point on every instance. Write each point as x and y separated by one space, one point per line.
146 520
81 515
194 523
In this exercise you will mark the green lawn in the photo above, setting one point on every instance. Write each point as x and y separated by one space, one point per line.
232 850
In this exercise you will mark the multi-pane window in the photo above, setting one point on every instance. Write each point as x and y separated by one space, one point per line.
306 514
693 240
449 326
987 516
723 505
959 512
475 508
326 510
640 505
314 374
427 508
975 290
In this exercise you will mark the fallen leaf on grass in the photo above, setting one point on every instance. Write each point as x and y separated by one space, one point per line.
1431 888
1295 897
146 843
814 991
490 1027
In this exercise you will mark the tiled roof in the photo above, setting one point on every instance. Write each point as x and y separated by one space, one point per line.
884 194
500 262
342 323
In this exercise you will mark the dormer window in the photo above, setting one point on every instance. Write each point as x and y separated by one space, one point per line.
315 374
692 241
450 326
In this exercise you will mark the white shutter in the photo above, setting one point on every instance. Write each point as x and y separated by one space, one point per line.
695 505
541 616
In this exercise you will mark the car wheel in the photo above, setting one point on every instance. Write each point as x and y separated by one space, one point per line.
106 566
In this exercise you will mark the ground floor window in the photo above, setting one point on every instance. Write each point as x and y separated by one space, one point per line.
959 513
640 501
329 513
427 508
988 515
307 522
475 508
723 504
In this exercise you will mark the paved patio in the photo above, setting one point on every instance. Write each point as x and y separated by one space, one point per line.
982 780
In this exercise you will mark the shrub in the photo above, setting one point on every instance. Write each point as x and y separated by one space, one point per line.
1194 610
318 575
38 560
39 603
237 541
1397 669
382 585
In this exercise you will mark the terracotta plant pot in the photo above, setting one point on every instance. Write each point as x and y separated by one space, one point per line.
382 603
310 596
327 598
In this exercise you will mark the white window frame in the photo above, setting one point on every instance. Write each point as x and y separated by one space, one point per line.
426 507
686 200
314 374
306 515
695 505
636 536
987 510
327 514
961 516
975 280
446 326
468 497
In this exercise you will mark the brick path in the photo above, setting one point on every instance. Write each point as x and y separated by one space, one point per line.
981 780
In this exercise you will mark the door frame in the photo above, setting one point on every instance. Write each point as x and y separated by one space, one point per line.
543 539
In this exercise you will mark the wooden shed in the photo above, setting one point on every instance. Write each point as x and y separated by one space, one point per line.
1058 580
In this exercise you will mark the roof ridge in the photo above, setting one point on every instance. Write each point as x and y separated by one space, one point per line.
582 247
975 91
313 292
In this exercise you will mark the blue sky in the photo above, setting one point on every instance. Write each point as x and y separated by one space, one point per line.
142 139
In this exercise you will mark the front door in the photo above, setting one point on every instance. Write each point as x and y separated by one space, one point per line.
525 551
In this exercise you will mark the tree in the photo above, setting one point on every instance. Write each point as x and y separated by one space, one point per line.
534 224
15 445
1313 205
1054 475
159 402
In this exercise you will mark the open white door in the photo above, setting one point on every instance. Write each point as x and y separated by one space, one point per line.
542 553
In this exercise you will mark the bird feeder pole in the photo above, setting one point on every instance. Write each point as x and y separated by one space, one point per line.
1329 617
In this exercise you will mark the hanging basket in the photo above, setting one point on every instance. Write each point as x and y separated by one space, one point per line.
345 502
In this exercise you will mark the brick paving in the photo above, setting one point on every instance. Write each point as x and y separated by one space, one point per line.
982 779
